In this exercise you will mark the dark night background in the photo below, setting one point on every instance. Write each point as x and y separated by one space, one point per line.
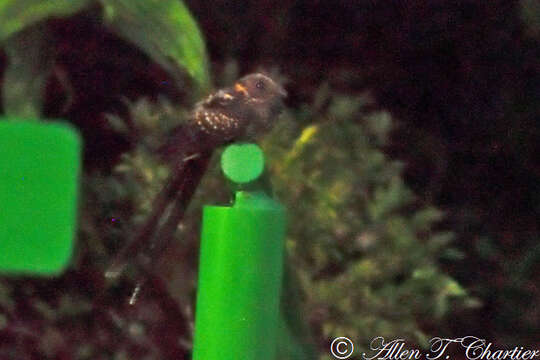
461 79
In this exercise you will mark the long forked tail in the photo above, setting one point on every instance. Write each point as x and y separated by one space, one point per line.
156 233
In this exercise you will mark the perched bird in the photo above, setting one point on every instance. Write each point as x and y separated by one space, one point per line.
238 113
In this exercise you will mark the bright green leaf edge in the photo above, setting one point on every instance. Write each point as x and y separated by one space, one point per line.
166 31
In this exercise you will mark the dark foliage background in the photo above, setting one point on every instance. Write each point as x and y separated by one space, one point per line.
461 79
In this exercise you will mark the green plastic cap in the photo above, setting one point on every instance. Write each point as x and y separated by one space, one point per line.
242 163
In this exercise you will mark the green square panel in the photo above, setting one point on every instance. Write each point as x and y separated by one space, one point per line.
39 180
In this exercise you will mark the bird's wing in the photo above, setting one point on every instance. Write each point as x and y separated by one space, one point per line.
218 99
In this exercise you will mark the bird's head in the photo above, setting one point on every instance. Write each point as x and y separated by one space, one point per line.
259 88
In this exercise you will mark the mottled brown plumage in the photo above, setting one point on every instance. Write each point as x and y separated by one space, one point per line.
237 113
241 111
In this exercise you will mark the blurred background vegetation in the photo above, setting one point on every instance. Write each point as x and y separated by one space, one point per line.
407 158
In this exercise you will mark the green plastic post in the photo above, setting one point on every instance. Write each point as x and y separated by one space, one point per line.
39 170
241 269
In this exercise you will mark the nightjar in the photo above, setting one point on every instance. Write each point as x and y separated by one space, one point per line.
238 113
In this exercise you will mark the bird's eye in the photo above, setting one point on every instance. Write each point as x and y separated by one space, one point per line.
259 85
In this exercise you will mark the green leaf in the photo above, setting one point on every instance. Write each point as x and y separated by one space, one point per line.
379 124
389 198
452 254
453 288
424 218
165 31
16 15
30 62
